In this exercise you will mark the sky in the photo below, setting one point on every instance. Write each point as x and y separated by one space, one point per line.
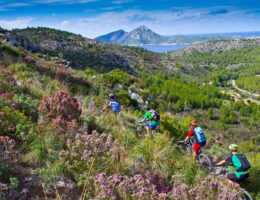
92 18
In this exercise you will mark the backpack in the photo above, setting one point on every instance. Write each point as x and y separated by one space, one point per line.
115 106
155 115
240 162
199 135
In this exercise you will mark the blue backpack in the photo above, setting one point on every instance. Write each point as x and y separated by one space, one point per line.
199 136
115 106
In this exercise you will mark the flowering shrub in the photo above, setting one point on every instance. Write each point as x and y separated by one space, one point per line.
89 154
61 111
59 72
124 187
210 188
8 152
7 80
6 95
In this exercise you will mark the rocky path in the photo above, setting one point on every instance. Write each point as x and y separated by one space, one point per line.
243 91
238 96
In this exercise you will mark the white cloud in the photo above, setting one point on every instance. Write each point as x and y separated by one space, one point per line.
64 23
165 22
63 1
110 8
18 4
22 22
11 6
121 1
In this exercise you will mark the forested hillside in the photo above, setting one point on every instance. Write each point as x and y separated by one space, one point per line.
57 143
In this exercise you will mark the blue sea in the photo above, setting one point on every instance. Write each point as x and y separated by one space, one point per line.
164 48
161 48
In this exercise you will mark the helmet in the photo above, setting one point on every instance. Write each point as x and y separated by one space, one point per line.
233 147
146 107
193 122
111 95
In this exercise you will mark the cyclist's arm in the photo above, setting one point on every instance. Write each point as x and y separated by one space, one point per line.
189 135
221 163
107 106
227 161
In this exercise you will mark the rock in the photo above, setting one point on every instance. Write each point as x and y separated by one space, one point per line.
137 97
24 194
67 188
120 86
65 183
3 187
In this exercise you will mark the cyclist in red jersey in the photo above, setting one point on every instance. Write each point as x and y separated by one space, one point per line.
196 146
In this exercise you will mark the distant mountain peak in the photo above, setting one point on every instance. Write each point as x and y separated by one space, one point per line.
140 35
143 28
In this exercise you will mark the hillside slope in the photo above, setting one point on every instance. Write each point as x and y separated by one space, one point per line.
82 53
57 143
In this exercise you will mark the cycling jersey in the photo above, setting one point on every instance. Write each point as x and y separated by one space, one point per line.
229 161
148 116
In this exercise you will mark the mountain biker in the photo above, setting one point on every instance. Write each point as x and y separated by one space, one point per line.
199 142
240 164
152 118
113 104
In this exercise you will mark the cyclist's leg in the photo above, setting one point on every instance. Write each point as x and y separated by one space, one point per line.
148 129
196 149
153 127
232 179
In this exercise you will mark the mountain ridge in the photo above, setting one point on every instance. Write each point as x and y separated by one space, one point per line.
140 35
144 35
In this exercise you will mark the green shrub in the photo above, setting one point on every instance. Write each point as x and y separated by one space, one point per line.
11 50
117 76
16 124
14 182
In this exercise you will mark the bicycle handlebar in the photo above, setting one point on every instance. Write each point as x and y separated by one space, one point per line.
219 170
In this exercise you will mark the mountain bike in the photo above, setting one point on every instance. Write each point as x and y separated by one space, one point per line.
186 148
223 171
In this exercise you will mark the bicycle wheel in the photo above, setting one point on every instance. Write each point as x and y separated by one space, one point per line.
183 147
245 195
205 162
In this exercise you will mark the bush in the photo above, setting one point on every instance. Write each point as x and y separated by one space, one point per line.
90 154
12 51
7 80
61 111
117 76
15 123
124 187
8 151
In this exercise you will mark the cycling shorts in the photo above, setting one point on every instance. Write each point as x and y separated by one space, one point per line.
234 178
197 147
151 125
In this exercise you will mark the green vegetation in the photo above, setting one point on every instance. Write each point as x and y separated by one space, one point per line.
51 122
251 84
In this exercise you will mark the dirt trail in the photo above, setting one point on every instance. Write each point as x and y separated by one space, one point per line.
237 96
243 91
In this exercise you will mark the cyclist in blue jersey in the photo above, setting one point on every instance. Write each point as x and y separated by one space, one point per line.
113 104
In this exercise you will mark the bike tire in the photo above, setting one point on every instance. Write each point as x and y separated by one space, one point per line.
183 147
245 195
205 162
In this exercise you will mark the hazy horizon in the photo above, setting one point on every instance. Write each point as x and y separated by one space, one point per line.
92 18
